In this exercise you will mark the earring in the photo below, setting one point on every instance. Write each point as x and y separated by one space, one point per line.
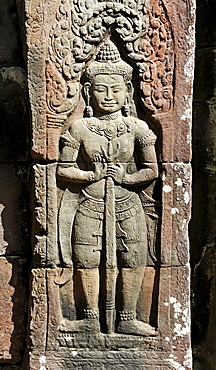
89 111
126 110
126 107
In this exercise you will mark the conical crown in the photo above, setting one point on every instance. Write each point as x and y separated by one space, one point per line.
108 61
108 52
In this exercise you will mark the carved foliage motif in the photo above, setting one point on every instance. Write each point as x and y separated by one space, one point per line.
156 71
78 29
64 35
62 73
34 17
40 189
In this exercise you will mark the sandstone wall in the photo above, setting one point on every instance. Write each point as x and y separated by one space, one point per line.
203 225
15 165
15 252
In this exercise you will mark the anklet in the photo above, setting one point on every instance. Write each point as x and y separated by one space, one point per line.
91 314
127 315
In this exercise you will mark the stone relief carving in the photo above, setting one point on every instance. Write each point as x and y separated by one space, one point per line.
106 161
107 240
39 251
79 27
156 71
67 36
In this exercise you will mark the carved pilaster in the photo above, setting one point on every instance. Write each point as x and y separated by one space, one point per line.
110 88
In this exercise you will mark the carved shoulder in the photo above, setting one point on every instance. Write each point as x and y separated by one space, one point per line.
76 128
71 138
143 133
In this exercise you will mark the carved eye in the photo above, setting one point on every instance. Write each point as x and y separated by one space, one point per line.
99 89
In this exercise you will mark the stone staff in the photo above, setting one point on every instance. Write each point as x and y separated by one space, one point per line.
110 243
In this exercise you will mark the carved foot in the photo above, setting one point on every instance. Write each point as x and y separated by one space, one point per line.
80 326
136 327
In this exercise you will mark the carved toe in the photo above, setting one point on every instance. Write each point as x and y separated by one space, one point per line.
85 325
136 327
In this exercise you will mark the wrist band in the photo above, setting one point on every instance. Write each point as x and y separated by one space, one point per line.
90 176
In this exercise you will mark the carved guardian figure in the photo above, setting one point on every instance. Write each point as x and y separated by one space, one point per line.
105 161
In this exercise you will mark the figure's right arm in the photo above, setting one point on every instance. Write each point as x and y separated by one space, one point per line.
67 168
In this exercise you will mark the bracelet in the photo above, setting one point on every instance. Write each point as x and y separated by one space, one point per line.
90 176
124 180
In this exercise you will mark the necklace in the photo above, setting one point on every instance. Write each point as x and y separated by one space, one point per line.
109 129
110 117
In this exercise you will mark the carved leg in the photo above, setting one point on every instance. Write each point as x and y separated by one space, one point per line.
131 280
90 284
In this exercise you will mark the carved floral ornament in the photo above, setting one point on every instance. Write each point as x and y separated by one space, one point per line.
80 27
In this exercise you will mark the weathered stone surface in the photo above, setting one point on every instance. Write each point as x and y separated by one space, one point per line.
174 307
13 208
39 226
13 303
119 283
203 226
169 103
38 311
104 233
14 200
44 228
43 24
171 347
176 199
149 360
176 124
111 360
147 306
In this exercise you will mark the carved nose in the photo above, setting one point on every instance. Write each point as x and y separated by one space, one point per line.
109 95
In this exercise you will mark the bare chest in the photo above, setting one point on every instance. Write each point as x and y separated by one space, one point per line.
108 144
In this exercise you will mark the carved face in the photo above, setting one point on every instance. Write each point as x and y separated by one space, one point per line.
108 93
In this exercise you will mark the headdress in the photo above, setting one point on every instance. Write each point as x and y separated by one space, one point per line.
108 61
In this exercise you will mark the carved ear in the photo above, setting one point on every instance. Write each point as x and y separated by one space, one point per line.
129 86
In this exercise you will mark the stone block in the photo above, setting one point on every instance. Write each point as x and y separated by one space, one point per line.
147 306
13 209
171 346
38 311
169 101
176 123
96 211
44 228
174 307
176 198
13 303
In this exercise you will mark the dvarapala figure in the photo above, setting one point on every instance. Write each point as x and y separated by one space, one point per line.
108 144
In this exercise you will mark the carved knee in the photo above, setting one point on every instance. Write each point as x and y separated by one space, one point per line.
86 256
135 257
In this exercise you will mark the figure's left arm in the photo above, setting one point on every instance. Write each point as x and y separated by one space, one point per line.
148 159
